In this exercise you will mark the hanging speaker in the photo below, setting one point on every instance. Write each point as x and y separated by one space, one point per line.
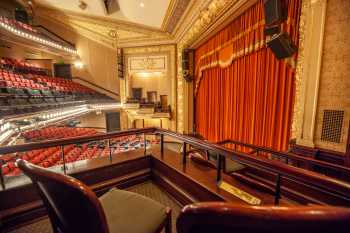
272 30
188 64
281 45
275 12
21 15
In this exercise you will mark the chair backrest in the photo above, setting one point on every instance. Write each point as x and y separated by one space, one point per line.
72 206
227 218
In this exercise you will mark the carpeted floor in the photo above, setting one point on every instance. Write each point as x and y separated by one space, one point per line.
147 189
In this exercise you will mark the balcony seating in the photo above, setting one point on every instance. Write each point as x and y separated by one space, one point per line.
78 210
227 218
26 88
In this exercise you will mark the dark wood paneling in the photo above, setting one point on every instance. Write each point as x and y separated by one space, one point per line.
174 190
318 153
200 181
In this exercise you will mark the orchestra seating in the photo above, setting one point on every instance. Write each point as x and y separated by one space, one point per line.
57 133
53 156
25 88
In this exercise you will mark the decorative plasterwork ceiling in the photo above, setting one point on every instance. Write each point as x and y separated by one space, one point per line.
113 32
107 32
186 22
144 12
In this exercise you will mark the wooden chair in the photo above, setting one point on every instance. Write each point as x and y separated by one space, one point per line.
229 218
74 208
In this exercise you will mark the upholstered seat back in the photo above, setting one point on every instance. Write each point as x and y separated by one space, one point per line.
71 205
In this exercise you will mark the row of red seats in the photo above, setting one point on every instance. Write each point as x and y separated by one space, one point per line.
40 82
61 84
52 156
58 132
12 80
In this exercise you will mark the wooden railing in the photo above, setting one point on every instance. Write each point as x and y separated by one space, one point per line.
328 185
292 159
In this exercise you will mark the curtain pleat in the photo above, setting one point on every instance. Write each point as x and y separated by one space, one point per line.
250 99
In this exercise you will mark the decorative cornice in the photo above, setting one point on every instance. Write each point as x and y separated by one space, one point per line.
230 12
100 30
174 15
299 84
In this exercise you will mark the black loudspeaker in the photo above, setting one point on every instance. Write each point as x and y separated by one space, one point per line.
269 31
188 64
281 45
21 15
275 12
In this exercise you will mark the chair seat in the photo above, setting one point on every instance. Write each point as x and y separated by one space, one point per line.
128 212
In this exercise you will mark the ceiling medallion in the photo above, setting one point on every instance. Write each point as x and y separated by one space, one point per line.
113 34
82 5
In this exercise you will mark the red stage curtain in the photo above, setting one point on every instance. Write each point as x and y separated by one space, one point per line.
247 96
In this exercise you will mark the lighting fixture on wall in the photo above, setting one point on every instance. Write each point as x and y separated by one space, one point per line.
142 4
30 35
78 64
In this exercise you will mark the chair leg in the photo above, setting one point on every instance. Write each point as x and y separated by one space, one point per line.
167 227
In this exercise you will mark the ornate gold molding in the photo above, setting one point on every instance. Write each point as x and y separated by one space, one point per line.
298 108
308 72
175 11
160 50
204 19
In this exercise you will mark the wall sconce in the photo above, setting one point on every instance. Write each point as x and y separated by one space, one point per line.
78 64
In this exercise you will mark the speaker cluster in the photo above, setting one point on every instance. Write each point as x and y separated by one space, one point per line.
279 42
188 64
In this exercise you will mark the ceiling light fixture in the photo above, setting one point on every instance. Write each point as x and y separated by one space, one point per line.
142 4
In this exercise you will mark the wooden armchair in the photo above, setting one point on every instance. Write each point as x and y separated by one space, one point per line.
74 208
222 217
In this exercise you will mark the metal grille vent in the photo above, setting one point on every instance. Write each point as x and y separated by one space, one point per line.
332 125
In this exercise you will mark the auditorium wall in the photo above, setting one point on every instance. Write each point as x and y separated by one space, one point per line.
334 86
100 62
97 121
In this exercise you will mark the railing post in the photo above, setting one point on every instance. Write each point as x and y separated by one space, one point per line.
145 144
184 152
110 150
2 180
162 144
63 159
278 189
218 167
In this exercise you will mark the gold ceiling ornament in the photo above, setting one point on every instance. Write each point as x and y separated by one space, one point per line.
297 117
82 5
206 17
174 13
113 34
147 63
